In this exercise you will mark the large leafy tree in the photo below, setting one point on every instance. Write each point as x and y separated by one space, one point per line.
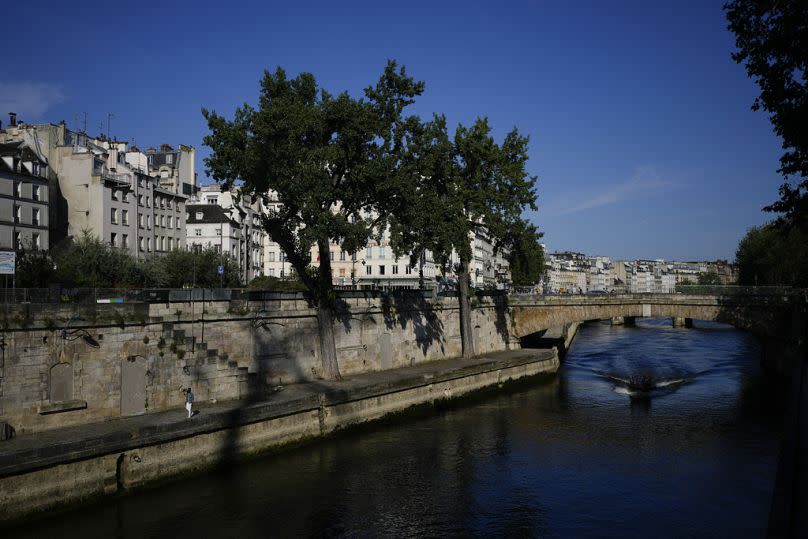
335 162
770 255
772 40
464 186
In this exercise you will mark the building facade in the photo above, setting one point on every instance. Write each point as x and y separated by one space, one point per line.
24 192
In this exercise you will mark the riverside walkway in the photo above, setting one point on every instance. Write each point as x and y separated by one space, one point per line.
353 400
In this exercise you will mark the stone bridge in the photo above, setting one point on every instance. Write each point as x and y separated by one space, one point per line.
762 315
775 318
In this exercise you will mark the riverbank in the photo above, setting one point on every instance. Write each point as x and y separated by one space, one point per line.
67 466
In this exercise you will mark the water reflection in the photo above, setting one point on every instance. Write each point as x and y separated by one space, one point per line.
568 456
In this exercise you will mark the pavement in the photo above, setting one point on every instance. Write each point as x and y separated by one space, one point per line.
39 450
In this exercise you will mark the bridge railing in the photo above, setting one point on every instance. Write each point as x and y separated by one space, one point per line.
735 290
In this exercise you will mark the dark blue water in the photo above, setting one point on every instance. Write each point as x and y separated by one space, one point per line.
575 455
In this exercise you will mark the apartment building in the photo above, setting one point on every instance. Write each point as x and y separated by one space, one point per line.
93 188
237 227
175 167
24 193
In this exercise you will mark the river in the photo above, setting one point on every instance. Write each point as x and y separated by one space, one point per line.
573 455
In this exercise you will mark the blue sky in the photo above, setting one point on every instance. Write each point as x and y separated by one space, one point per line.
641 132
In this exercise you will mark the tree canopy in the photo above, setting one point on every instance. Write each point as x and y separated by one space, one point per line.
770 255
772 40
526 255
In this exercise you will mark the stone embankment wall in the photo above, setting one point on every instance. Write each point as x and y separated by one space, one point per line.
67 365
37 478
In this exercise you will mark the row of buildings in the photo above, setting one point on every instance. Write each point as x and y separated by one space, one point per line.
56 183
574 273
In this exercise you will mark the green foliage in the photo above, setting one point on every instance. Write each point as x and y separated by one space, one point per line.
771 255
526 256
328 158
772 39
468 184
709 278
88 262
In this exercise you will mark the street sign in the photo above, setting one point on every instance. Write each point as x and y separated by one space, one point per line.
221 270
8 262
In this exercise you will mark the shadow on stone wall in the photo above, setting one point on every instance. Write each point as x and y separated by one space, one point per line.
405 307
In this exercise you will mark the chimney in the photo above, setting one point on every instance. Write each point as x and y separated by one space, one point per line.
12 119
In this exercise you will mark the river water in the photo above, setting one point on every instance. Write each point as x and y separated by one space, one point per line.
576 454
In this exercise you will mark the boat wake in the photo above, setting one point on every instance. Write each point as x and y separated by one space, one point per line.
644 385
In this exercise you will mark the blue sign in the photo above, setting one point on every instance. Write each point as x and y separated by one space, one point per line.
8 263
221 270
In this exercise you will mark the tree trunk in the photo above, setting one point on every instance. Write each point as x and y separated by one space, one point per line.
325 314
328 346
466 335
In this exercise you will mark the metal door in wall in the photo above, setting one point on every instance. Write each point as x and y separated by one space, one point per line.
386 350
133 385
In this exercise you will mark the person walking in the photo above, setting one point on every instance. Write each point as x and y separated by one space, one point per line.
189 402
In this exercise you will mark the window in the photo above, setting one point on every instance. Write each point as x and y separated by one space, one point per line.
17 241
342 256
381 270
162 221
113 239
35 192
125 241
140 244
170 243
169 220
369 269
395 270
331 256
408 270
147 202
213 200
169 158
369 252
140 200
156 202
17 189
114 194
197 232
35 217
148 244
151 160
381 252
342 272
125 217
35 168
140 220
148 221
272 256
113 216
199 215
17 213
218 248
219 231
35 241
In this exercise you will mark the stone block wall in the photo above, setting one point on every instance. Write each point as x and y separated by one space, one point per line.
63 365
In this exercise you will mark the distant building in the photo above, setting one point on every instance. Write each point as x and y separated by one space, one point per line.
173 166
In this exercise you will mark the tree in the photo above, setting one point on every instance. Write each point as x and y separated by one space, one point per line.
709 278
772 40
335 163
526 255
771 255
464 186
